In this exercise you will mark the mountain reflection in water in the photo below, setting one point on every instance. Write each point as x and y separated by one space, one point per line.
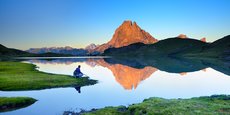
128 77
130 72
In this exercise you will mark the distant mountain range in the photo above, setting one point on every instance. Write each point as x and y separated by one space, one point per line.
128 33
59 50
7 53
130 40
89 50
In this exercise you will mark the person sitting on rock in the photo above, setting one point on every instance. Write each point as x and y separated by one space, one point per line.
77 73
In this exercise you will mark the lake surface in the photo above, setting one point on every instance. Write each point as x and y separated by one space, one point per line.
124 82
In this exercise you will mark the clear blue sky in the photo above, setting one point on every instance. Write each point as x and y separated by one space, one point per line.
44 23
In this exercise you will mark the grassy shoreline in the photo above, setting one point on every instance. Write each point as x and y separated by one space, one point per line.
16 76
208 105
13 103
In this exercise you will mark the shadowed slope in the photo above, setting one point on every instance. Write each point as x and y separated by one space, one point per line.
171 46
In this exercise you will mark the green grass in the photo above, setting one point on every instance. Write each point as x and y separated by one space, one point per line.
213 105
12 103
15 76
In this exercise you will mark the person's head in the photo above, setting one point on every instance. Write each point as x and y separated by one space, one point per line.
79 66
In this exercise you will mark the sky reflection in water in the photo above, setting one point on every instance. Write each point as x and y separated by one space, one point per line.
121 84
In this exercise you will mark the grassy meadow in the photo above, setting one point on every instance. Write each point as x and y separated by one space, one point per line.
16 76
208 105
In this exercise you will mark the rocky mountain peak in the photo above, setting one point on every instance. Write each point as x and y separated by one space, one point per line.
127 33
68 48
129 23
91 46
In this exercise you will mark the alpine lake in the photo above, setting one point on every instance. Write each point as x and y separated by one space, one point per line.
123 82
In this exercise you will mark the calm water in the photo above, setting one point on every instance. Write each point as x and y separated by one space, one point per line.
124 82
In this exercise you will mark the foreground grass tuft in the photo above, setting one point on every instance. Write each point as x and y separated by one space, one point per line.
15 76
12 103
209 105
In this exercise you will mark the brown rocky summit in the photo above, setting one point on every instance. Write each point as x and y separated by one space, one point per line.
127 33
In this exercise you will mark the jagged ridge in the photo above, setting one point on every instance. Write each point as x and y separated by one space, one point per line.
128 33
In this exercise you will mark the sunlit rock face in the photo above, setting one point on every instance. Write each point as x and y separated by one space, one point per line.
127 76
128 33
182 36
203 39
